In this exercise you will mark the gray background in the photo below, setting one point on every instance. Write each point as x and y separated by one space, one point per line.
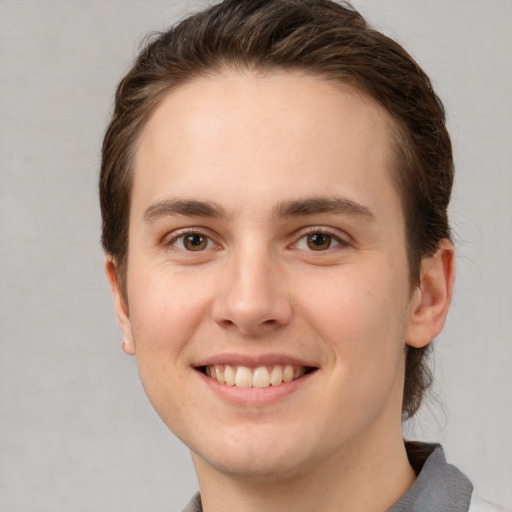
76 431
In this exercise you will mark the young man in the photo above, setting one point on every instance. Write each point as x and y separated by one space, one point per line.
274 191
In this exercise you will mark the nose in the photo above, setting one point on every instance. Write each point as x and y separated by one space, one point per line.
252 298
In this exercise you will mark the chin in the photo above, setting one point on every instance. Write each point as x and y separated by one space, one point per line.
262 468
256 457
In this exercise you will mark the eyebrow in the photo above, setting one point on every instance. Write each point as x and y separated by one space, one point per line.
293 208
314 205
187 207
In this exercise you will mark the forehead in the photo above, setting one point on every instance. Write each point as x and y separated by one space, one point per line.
282 134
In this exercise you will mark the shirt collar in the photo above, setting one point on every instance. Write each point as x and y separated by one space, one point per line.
439 486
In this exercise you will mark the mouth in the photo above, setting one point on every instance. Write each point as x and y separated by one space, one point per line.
254 377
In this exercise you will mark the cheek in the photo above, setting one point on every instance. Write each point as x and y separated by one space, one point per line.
360 315
166 309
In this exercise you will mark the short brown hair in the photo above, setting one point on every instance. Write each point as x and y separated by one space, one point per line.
318 37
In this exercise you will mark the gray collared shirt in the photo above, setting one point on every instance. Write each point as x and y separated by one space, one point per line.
440 487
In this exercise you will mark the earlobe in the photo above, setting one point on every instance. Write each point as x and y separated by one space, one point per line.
122 311
431 299
128 347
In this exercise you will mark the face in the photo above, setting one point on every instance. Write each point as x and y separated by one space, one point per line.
267 279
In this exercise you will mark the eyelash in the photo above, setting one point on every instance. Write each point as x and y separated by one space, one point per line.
181 235
334 237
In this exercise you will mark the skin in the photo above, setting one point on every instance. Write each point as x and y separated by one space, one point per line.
254 146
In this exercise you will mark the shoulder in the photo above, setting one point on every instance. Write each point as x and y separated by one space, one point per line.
479 505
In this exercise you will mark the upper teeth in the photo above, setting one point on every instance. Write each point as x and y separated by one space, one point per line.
260 377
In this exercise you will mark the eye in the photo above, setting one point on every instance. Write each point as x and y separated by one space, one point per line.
193 241
317 241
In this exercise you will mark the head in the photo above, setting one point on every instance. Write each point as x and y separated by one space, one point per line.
320 39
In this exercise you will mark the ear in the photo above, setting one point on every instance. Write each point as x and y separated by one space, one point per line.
432 297
122 311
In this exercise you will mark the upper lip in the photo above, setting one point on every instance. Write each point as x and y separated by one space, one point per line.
234 359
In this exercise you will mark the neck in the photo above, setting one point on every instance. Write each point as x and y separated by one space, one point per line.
359 479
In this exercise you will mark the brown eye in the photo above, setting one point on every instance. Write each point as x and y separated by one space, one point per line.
195 242
319 241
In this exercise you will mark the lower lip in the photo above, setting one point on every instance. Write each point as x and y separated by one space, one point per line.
251 397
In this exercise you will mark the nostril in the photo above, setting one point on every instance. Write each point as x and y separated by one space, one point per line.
249 327
227 324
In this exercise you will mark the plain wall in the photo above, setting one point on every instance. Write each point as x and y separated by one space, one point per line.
76 430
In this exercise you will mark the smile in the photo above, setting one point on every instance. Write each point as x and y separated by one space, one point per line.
257 377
